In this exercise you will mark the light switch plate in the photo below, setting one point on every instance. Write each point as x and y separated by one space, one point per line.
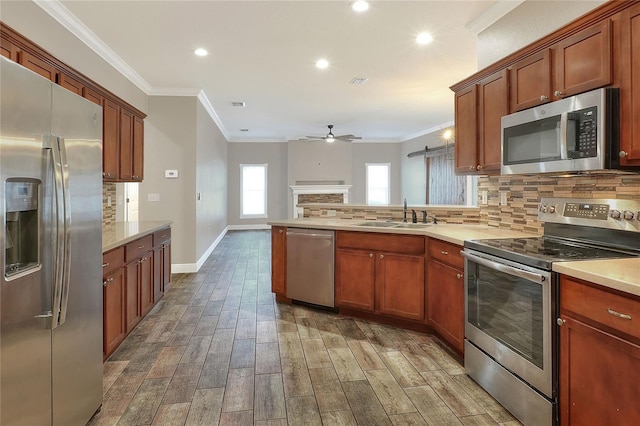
171 174
484 198
503 198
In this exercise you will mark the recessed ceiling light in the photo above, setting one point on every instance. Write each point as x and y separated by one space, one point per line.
322 64
201 52
424 38
358 81
360 6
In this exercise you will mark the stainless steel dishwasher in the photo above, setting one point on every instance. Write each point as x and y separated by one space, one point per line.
310 265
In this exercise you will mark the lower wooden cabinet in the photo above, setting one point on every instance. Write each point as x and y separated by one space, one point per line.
135 277
445 292
599 356
113 292
279 261
381 273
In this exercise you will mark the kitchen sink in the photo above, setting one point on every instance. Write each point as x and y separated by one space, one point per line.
413 225
394 225
378 224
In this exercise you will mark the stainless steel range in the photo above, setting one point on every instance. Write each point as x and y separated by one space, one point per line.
511 297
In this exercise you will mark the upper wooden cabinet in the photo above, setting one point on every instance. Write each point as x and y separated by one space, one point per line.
630 87
531 81
478 110
583 61
123 125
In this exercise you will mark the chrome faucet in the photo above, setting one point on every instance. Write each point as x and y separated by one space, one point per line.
405 211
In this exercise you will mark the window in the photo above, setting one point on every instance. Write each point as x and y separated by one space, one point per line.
253 184
378 183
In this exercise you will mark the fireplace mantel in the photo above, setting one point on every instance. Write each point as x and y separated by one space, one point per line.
317 189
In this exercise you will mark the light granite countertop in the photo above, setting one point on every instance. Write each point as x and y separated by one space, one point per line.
453 233
124 232
619 274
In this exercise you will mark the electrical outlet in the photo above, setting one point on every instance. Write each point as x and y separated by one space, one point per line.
503 198
484 197
108 200
171 174
153 197
331 213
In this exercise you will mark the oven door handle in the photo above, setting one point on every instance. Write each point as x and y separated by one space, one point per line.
531 276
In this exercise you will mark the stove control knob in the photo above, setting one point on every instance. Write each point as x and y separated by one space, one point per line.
628 215
552 209
615 214
543 208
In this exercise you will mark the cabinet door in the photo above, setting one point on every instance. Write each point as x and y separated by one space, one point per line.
630 87
138 149
114 327
445 301
493 105
39 66
166 267
278 260
126 145
530 81
466 112
146 283
400 285
94 97
71 84
583 61
132 294
158 288
110 149
9 50
355 279
599 376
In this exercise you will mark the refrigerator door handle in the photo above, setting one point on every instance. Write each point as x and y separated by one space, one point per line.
61 186
66 220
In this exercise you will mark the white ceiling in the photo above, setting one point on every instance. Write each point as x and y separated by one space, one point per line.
263 53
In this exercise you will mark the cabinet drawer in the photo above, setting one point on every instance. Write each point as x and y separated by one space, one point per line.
137 248
614 311
112 260
387 243
162 236
446 252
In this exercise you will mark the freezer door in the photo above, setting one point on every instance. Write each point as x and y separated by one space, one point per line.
25 298
77 339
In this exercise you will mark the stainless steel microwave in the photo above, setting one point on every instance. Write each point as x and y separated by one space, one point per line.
579 133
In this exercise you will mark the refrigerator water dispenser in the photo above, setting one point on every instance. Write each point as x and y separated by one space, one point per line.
22 227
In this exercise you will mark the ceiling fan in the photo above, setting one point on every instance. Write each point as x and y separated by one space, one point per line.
330 137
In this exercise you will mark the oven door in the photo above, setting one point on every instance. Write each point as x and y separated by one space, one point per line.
508 315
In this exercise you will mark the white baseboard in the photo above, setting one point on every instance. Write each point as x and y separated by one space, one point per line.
247 227
190 268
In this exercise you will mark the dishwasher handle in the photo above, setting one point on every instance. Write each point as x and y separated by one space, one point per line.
310 235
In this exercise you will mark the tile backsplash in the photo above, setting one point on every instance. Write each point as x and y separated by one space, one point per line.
523 194
108 212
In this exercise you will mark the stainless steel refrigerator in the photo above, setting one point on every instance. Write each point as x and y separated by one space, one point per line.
51 288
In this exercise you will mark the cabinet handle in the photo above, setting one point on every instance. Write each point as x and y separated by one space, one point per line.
382 256
280 231
623 154
140 247
136 177
104 265
370 254
107 281
458 276
543 98
472 168
479 167
444 252
558 94
560 322
618 314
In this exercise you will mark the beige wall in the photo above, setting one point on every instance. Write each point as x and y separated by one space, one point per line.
170 143
363 153
275 156
35 24
525 24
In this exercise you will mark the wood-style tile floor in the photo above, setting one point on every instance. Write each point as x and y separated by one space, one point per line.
217 350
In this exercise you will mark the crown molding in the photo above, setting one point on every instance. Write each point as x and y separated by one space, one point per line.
174 91
428 131
202 97
69 21
491 15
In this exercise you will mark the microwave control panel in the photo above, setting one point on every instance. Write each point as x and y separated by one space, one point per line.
585 132
586 211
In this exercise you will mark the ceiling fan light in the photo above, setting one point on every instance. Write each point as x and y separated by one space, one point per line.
330 139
